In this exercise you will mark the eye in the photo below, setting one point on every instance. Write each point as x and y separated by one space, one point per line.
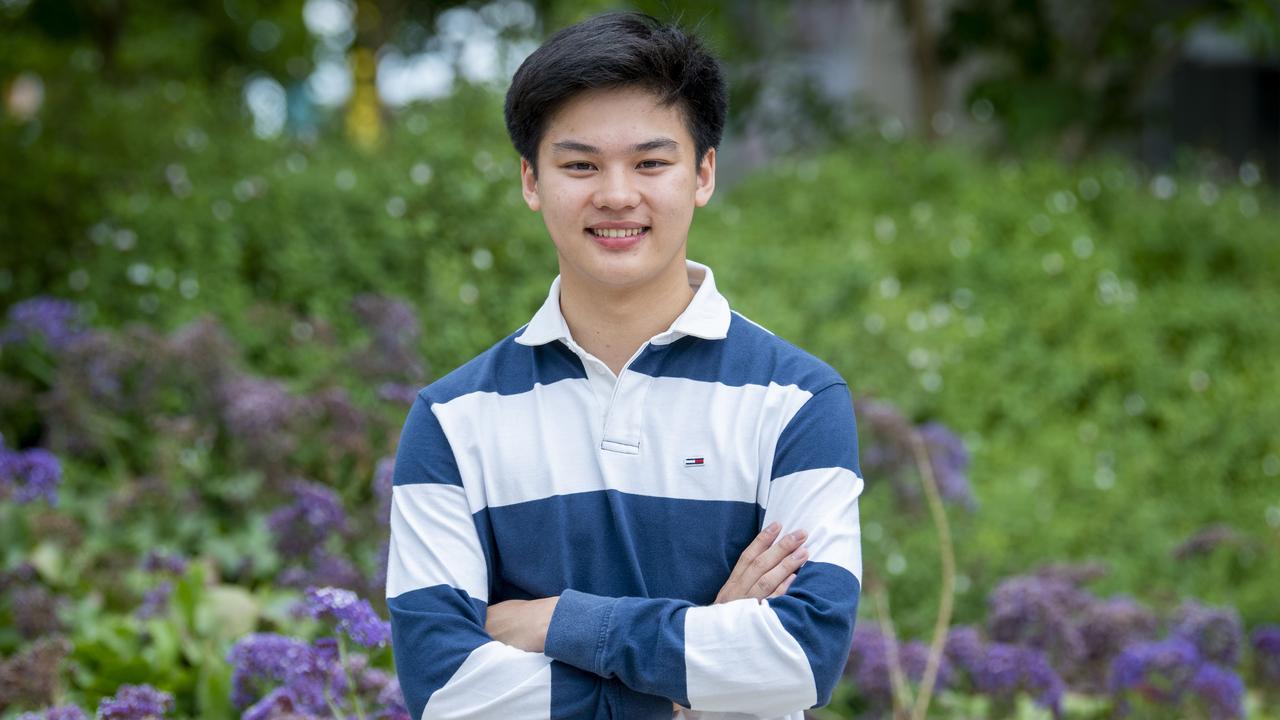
653 164
579 167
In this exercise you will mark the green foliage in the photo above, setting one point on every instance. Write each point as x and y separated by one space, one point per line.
1102 349
1103 340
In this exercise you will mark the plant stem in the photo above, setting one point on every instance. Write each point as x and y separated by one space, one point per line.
351 685
947 556
901 691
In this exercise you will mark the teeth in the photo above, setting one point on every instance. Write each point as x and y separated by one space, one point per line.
629 232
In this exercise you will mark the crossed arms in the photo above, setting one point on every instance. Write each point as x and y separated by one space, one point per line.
582 655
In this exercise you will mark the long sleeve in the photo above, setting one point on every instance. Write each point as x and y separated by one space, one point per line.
438 584
765 658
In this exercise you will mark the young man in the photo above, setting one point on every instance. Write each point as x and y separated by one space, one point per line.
588 517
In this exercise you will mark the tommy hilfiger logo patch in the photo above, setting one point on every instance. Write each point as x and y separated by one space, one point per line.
694 462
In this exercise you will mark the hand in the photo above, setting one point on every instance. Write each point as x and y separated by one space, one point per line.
766 568
521 623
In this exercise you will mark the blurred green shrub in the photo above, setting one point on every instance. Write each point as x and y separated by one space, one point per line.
1105 340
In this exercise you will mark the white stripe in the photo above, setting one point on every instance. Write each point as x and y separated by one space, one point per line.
452 556
697 715
823 503
738 654
495 681
534 445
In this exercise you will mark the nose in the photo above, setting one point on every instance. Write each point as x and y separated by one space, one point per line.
617 190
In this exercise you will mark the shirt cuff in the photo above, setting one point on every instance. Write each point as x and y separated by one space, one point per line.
578 630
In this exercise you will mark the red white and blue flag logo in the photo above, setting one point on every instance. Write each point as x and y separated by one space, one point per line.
694 462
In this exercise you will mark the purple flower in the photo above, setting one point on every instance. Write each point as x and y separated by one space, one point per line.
353 615
965 649
392 353
29 475
950 462
135 702
398 392
34 610
30 678
869 666
168 563
1216 632
890 453
383 480
392 701
279 703
56 321
1107 627
155 602
1266 656
1160 672
1038 612
1007 670
303 525
306 670
1220 692
322 568
259 413
58 712
1206 541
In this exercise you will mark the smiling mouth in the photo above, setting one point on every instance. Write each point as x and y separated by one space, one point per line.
618 232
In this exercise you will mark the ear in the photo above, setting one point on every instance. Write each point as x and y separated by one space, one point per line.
706 179
529 186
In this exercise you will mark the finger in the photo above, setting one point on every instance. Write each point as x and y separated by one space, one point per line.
759 545
769 559
786 584
772 580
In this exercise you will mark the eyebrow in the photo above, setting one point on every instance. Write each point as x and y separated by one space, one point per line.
661 143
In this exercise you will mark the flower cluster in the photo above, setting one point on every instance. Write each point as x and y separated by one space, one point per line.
57 712
1047 634
307 673
1006 671
135 702
1217 633
164 563
56 322
891 453
1266 656
353 615
1171 674
392 354
1039 612
303 525
29 475
871 665
276 676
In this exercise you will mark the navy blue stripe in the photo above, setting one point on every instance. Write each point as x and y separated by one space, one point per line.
508 368
627 703
617 544
822 434
580 695
577 694
647 648
424 454
433 630
749 355
819 611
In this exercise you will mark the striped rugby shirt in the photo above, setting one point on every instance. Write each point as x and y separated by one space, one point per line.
532 472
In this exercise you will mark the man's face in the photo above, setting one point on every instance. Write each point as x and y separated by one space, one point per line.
617 184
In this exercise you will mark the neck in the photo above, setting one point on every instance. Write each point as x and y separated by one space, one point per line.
612 323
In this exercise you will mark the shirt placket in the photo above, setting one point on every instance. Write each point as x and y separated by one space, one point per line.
623 420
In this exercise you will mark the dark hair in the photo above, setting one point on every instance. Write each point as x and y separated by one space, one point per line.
614 50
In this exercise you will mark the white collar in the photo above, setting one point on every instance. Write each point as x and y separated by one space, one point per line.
707 315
